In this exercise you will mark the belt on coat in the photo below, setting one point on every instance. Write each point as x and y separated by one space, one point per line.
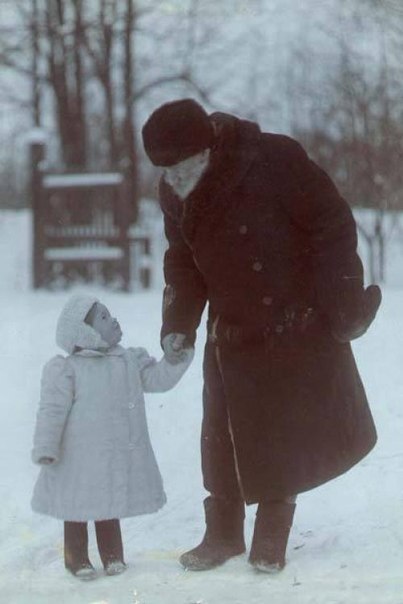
294 319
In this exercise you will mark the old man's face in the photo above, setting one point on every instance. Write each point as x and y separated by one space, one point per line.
184 176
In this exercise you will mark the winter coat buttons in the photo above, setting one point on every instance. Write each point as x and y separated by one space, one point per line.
131 405
267 300
257 266
243 229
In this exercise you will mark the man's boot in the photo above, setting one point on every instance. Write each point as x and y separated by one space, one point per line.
224 537
270 537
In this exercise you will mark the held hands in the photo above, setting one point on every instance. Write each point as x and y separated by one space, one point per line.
46 461
174 348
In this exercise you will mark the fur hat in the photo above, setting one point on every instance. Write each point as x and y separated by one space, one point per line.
176 131
72 331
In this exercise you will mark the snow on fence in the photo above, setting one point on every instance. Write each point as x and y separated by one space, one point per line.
69 181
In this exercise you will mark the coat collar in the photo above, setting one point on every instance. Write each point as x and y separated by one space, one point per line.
235 149
116 351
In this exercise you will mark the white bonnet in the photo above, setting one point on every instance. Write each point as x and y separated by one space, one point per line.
72 331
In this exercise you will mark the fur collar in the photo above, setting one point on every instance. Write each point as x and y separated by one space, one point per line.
232 155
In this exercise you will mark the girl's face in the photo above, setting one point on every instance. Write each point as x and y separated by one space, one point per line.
108 327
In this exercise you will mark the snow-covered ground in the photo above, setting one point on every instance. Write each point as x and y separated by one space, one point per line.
346 545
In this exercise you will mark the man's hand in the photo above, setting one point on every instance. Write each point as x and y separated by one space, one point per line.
174 347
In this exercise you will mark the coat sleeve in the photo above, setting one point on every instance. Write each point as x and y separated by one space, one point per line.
57 393
185 292
318 208
160 376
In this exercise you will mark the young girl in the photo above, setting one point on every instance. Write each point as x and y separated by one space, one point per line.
91 437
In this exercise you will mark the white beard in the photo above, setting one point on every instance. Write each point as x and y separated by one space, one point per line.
185 187
184 176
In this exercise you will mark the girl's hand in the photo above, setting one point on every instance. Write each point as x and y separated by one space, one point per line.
181 357
46 461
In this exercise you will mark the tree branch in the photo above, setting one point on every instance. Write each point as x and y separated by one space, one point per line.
180 77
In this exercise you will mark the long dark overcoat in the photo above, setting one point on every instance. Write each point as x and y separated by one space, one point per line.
268 242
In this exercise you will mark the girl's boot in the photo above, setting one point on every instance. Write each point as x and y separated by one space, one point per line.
110 546
270 537
76 551
224 537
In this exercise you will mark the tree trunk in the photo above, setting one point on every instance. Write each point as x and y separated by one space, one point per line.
79 146
36 91
128 128
66 79
105 76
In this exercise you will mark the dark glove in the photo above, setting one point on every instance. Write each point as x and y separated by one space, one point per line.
352 328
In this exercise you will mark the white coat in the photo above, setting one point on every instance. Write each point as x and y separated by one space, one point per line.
92 421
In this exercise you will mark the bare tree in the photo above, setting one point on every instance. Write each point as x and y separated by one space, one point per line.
63 27
363 149
35 44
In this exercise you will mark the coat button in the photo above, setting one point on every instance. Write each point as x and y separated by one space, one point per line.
267 300
131 405
257 266
279 328
243 229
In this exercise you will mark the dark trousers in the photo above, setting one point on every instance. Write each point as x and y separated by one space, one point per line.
109 540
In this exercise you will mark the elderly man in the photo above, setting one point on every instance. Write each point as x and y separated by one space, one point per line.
260 233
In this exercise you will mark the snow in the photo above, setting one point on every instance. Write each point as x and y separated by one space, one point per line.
91 179
36 136
84 253
347 541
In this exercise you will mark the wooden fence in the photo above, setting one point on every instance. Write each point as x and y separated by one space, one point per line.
81 228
